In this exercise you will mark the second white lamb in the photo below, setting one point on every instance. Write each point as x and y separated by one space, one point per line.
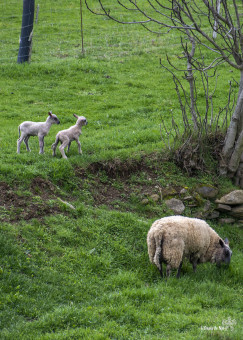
67 136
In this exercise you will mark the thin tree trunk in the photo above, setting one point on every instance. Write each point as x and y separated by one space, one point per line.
232 153
234 128
190 79
236 155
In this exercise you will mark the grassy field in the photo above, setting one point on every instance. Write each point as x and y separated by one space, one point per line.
81 270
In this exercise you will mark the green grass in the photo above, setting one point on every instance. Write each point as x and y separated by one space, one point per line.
90 277
85 273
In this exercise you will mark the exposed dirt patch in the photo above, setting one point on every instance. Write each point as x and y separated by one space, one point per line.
127 182
43 187
117 168
125 185
15 207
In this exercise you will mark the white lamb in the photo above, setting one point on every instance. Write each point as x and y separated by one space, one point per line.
67 136
173 238
39 129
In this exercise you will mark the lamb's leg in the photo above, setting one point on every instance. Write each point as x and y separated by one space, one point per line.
63 146
53 149
79 146
41 144
19 141
54 146
26 141
69 146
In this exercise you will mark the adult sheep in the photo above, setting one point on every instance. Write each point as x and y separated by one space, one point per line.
173 238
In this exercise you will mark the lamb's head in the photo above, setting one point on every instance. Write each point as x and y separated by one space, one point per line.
81 120
53 118
222 253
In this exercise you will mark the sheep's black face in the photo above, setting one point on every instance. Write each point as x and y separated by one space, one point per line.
226 252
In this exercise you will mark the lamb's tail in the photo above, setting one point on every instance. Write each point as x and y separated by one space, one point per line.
54 145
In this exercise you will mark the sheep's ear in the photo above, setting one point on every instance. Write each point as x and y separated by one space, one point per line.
50 113
226 241
221 242
76 116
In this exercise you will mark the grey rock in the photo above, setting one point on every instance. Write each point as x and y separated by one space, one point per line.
188 198
145 201
233 198
207 206
175 205
169 191
155 197
207 191
226 220
213 215
223 208
237 211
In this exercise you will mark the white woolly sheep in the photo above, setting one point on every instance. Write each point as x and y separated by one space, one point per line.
39 129
67 136
173 238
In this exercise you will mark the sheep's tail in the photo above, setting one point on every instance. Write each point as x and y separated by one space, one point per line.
155 245
19 130
151 246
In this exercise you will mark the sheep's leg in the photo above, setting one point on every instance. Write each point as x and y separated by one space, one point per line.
41 144
194 265
168 270
26 141
19 141
176 248
161 269
63 146
157 258
179 271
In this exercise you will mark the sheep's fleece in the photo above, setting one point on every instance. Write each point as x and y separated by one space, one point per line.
173 238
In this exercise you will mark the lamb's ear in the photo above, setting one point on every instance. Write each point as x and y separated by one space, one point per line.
226 241
76 116
50 113
221 242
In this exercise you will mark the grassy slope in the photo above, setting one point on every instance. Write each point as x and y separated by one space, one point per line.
85 273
